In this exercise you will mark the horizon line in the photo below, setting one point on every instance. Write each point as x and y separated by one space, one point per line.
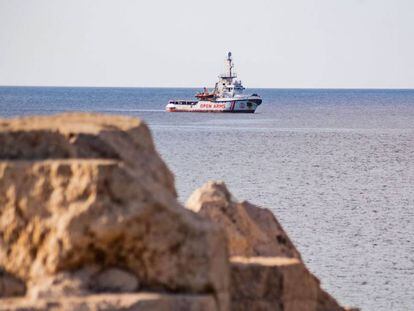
200 87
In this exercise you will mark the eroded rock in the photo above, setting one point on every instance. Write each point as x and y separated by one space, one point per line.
254 232
251 230
86 136
87 206
82 190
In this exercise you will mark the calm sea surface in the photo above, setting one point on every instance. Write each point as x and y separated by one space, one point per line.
335 166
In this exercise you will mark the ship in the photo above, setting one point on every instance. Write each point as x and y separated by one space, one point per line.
227 96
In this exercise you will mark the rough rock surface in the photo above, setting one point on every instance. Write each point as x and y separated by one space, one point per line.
274 283
86 136
79 190
251 230
110 302
254 232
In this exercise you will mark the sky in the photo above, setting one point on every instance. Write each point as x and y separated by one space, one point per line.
183 43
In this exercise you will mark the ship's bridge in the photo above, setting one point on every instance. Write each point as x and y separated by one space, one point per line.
230 89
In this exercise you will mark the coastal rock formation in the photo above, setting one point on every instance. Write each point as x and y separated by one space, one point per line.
89 219
251 230
86 136
61 215
81 190
267 272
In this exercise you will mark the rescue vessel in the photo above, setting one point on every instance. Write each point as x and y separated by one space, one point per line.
227 96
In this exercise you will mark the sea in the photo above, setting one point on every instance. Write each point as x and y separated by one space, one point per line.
336 167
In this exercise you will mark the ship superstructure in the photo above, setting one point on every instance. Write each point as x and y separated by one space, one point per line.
227 96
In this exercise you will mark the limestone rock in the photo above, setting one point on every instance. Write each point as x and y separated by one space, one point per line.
82 190
251 230
272 283
110 302
254 232
10 286
86 136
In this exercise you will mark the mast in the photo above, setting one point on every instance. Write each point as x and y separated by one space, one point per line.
230 64
229 75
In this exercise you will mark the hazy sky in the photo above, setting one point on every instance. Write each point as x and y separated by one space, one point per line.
284 43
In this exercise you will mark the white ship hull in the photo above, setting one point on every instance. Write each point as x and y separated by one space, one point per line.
246 105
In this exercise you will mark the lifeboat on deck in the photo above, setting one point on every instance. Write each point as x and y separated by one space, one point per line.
205 95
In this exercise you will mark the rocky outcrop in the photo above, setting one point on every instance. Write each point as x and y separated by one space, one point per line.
268 273
251 230
61 215
87 136
82 190
89 220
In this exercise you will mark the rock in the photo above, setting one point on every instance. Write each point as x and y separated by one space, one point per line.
272 283
251 230
82 190
87 206
10 286
86 136
255 232
115 280
110 302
